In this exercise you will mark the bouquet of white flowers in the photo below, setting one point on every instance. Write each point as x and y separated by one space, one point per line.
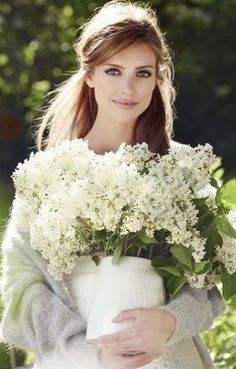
132 202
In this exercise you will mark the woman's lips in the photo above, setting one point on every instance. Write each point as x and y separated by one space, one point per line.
125 104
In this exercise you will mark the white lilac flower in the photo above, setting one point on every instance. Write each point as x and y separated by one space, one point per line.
212 278
196 280
226 253
122 192
210 193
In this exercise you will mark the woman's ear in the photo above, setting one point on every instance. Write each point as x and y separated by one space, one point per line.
89 81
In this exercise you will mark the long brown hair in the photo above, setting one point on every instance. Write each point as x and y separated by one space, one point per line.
117 25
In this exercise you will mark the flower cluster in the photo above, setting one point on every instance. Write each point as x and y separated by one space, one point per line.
75 202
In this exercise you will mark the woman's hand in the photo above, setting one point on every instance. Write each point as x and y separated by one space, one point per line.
111 360
147 337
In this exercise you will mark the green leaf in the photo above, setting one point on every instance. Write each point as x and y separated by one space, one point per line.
205 220
100 235
174 284
131 250
183 254
118 251
216 165
226 195
213 239
96 259
225 226
162 261
214 183
145 239
202 267
202 209
229 284
200 201
209 228
165 266
139 244
170 269
218 174
163 273
160 235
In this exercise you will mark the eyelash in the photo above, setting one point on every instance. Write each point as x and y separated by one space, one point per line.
112 70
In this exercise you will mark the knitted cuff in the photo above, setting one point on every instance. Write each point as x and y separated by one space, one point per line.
185 311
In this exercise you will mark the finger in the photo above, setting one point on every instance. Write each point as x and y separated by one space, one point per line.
118 349
139 360
131 354
131 344
130 347
126 346
126 314
118 337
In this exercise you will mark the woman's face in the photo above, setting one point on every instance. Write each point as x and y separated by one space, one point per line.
124 84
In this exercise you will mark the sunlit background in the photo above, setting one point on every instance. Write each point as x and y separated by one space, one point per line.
36 54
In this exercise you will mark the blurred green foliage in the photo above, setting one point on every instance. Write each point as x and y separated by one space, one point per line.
6 197
36 48
221 339
7 356
4 205
36 54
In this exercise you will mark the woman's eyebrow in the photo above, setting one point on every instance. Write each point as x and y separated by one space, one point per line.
120 66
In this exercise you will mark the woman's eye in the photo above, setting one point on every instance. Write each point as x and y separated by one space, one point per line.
116 72
112 71
144 73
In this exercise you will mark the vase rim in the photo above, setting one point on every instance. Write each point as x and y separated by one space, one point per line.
130 259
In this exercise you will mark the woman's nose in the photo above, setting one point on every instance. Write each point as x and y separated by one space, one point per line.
128 85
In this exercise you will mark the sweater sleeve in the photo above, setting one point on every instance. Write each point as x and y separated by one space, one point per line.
38 315
194 310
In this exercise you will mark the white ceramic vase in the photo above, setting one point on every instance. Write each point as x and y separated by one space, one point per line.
130 284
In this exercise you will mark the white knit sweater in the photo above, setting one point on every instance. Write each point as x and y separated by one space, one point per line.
39 314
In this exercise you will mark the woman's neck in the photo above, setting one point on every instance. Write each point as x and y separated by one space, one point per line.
102 138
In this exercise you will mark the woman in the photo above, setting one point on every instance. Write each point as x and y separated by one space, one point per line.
122 93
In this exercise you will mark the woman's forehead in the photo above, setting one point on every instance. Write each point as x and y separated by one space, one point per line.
137 54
